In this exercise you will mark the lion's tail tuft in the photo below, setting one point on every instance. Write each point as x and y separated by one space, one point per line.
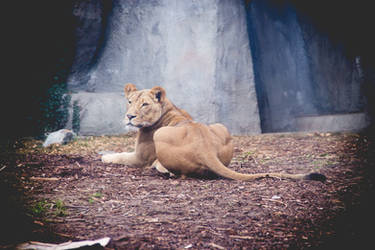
316 177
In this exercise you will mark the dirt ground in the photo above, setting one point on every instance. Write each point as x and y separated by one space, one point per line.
66 193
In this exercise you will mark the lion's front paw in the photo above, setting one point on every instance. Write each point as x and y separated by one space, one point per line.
124 158
109 158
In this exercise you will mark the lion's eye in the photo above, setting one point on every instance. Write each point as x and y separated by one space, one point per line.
144 104
130 102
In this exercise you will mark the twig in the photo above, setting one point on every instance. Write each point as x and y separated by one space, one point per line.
65 235
44 178
241 237
1 169
216 246
280 202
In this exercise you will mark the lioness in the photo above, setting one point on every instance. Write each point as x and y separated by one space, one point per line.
171 141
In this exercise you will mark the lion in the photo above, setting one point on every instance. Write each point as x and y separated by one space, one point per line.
172 142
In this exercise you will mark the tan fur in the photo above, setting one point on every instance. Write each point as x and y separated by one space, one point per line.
171 141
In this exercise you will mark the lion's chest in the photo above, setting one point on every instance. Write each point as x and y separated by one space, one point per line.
145 146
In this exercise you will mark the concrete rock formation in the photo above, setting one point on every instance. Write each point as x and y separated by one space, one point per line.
255 66
299 71
99 113
197 50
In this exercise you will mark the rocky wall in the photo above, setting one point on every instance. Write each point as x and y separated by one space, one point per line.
197 50
299 69
312 62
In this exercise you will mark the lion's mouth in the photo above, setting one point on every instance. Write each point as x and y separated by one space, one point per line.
134 125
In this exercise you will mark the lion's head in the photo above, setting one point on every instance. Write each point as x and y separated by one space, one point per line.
145 107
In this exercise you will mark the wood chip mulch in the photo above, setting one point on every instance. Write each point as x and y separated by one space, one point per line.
66 193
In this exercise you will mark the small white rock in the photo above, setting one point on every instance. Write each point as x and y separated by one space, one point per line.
275 197
61 136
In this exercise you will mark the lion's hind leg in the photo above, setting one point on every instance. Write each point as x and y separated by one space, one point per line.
160 168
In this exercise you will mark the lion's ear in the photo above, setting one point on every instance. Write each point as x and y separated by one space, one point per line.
159 93
129 88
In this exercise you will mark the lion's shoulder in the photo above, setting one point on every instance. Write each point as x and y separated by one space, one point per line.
175 116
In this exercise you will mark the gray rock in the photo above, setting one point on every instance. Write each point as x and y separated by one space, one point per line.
99 113
333 123
61 136
197 50
299 71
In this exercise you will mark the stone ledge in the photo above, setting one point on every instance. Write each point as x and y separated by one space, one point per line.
100 113
332 123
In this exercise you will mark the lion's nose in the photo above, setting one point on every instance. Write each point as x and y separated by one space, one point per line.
130 116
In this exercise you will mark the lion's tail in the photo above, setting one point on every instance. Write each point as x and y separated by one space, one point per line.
219 168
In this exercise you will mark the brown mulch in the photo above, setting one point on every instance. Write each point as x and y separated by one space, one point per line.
66 193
